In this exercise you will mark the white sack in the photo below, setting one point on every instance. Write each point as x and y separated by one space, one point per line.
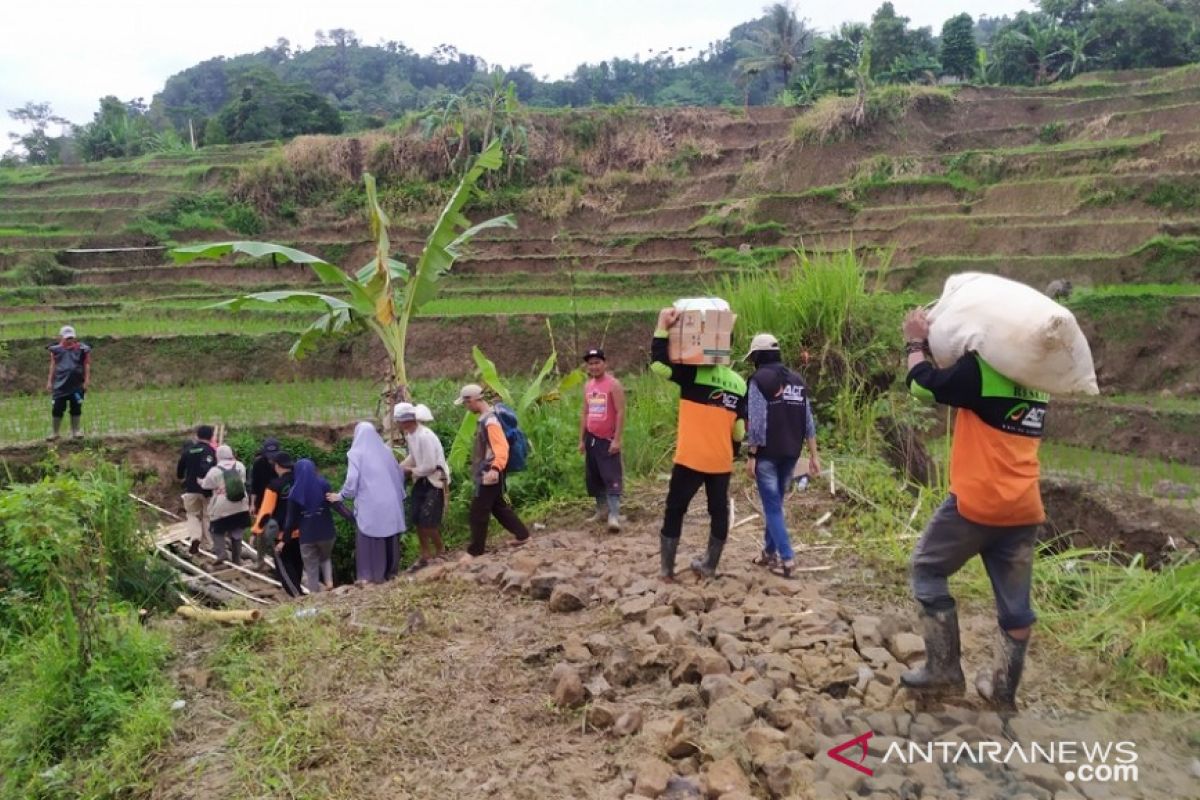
1021 332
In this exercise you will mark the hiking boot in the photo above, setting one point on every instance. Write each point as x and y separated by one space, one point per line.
706 566
668 547
614 523
997 684
942 671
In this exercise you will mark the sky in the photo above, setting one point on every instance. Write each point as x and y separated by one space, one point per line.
73 52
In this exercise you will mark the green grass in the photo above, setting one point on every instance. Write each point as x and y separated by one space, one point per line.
27 418
1129 473
190 317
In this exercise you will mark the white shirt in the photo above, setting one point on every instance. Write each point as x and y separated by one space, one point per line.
426 456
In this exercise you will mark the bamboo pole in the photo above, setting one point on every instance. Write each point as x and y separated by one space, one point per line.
157 508
190 567
230 616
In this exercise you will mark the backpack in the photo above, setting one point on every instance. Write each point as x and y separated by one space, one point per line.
518 443
235 485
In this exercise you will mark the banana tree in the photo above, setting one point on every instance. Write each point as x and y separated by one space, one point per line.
385 294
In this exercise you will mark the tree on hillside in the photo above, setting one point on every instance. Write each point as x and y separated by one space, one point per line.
889 38
267 108
1070 13
781 42
36 146
1132 34
959 52
841 55
119 129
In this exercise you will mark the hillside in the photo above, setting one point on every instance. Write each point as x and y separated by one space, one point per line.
563 669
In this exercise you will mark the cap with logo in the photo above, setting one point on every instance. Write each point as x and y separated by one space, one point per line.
66 332
760 343
472 391
595 352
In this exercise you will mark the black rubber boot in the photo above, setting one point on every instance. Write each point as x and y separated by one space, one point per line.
706 566
666 555
997 685
235 547
942 671
76 423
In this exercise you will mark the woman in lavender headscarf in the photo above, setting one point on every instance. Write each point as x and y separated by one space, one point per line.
375 483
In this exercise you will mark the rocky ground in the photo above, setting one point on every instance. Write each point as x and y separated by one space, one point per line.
739 687
565 669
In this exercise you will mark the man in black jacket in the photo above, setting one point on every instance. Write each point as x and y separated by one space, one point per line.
780 424
197 458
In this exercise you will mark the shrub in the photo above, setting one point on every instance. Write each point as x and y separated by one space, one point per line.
42 269
835 119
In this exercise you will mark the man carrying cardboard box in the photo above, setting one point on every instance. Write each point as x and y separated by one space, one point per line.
712 421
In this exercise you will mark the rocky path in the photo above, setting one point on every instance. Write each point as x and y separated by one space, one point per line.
740 687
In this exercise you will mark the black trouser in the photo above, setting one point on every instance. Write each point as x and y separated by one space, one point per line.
490 501
685 482
60 406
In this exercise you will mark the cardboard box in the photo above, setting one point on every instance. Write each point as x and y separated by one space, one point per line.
701 337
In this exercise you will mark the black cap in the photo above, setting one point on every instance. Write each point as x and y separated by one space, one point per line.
282 459
595 352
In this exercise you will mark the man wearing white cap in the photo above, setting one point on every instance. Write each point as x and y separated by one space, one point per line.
426 463
780 423
70 373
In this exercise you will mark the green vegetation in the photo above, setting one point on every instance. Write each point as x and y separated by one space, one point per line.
212 211
86 695
1131 473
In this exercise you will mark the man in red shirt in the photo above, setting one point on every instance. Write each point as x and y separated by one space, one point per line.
601 426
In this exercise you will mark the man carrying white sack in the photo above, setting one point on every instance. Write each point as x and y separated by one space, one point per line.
993 511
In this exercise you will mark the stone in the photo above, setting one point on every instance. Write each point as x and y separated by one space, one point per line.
764 744
788 772
543 583
491 574
628 723
713 663
682 747
601 716
723 776
514 582
780 641
728 620
568 692
684 696
567 598
561 669
866 631
907 646
620 668
717 687
671 630
599 689
685 786
876 656
728 715
802 738
928 775
635 608
652 777
878 695
575 650
687 602
1042 775
665 729
656 613
599 645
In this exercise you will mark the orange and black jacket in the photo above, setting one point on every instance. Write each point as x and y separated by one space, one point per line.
997 430
712 411
274 505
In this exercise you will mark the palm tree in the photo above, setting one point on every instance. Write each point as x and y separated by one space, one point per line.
779 44
1075 49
